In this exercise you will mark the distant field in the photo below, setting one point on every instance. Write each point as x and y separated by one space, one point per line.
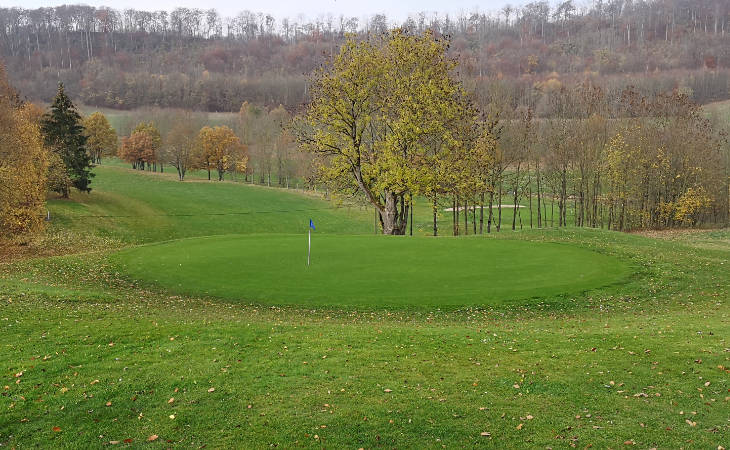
123 121
721 110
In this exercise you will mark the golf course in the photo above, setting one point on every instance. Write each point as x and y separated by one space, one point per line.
184 314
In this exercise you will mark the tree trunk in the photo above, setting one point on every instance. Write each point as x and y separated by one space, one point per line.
394 221
466 217
491 213
435 210
481 214
499 208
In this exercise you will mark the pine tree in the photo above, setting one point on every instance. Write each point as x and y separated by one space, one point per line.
64 133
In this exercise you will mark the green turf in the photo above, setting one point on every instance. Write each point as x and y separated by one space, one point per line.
632 362
370 271
91 358
148 207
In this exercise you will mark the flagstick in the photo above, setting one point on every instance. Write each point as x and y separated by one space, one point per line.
309 244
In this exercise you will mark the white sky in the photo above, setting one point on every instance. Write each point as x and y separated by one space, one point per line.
394 9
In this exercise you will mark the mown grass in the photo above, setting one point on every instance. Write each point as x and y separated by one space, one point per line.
643 362
148 207
370 271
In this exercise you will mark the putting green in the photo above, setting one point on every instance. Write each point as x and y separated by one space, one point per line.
370 271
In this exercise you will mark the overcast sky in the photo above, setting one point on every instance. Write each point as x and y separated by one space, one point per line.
394 9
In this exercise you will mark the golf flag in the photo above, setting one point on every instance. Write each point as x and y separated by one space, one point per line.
309 240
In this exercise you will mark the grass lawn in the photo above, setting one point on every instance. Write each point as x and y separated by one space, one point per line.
93 353
370 271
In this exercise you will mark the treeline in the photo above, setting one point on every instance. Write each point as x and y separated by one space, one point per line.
193 58
253 145
389 123
657 162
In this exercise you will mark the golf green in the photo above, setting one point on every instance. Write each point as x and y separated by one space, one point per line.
369 271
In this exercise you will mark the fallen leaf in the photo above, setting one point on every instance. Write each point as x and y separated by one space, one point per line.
152 438
108 403
485 433
387 391
171 401
519 427
128 441
56 429
211 389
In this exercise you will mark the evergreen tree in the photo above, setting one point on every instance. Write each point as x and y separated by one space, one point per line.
64 133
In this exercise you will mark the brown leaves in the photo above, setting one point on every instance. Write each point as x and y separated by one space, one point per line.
485 434
56 429
519 427
211 389
171 401
387 391
152 438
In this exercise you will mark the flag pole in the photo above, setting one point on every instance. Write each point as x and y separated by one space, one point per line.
309 244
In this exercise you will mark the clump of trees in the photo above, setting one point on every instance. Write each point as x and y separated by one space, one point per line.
215 148
219 148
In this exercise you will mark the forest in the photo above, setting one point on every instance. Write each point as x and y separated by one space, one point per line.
198 59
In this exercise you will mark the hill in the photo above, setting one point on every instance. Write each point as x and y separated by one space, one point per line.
133 207
196 59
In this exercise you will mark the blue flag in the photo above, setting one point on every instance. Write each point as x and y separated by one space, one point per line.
311 225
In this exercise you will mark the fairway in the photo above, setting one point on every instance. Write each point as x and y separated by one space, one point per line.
370 271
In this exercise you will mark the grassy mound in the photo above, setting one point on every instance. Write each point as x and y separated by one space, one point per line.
134 207
370 271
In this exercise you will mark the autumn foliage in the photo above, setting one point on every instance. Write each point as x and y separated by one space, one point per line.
23 163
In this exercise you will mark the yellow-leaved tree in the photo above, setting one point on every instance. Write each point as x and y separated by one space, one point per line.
220 148
378 108
101 137
23 164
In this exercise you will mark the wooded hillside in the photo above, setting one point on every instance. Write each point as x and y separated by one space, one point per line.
194 58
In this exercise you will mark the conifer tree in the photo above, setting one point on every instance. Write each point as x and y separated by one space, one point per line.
64 134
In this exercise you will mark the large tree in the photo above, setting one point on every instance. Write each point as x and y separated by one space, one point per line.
377 108
64 134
